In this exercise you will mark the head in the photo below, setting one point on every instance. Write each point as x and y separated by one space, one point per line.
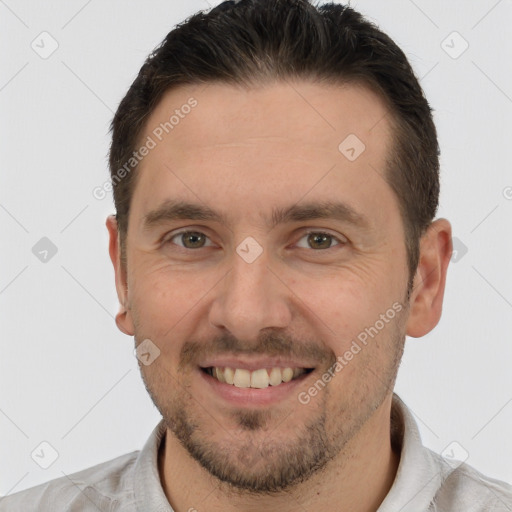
252 116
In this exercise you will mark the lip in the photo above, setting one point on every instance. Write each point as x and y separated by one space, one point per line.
251 397
254 363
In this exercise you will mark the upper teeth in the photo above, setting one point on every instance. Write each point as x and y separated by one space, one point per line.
261 378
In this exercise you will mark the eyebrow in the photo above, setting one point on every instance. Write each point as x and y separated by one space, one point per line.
171 210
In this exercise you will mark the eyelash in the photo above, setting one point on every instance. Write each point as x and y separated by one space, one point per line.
316 232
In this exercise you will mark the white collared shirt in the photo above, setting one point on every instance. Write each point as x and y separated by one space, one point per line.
425 481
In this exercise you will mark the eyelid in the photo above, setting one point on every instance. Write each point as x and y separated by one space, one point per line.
173 234
307 231
339 238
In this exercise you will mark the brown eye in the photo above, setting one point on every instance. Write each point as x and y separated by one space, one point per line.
320 240
189 239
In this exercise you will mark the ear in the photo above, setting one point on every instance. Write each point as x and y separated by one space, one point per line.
430 278
123 318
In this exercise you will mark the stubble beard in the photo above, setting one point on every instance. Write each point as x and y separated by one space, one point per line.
260 461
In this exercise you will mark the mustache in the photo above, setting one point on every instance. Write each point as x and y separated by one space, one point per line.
269 343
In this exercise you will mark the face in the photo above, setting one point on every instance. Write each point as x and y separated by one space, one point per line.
266 279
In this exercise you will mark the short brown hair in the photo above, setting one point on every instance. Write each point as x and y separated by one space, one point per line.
260 41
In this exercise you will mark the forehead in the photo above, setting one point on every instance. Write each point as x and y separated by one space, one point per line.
273 143
224 113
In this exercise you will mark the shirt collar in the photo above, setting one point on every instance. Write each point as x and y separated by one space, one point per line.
149 494
420 471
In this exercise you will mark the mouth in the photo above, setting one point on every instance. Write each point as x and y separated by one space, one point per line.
257 379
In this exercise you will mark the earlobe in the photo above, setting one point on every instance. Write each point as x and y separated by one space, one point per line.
430 279
123 321
123 317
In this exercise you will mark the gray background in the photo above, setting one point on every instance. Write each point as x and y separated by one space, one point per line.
69 378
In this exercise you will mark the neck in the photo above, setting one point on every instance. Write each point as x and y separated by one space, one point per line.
357 480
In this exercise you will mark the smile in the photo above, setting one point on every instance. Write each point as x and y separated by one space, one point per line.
259 379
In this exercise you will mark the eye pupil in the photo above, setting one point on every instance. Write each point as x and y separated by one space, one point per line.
192 235
314 237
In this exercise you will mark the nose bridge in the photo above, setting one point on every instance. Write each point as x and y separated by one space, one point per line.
251 297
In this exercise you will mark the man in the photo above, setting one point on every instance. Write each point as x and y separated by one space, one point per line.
276 178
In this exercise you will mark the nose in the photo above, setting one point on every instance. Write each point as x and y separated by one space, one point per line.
251 297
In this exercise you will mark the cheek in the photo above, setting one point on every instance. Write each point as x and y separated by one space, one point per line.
162 297
345 299
344 308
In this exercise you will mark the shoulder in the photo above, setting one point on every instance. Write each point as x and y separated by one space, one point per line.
465 488
100 487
